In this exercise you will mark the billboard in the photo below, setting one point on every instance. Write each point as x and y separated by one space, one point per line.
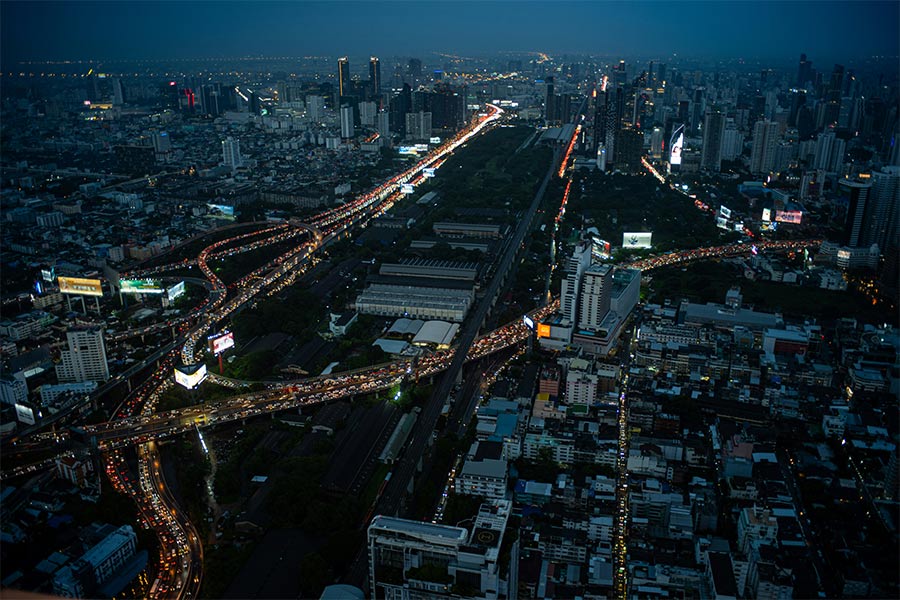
406 188
407 150
421 147
191 376
676 143
435 140
80 286
721 222
220 343
543 330
640 239
140 286
725 211
767 214
48 274
789 216
25 414
429 172
600 249
176 290
529 322
226 210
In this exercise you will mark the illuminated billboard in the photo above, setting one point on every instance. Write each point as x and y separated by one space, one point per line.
226 210
640 239
721 222
48 274
220 343
529 322
725 211
176 290
25 414
429 172
600 249
789 216
421 147
543 330
80 286
406 188
191 376
407 150
676 143
435 140
140 286
767 214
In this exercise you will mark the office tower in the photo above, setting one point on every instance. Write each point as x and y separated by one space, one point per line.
231 153
832 109
343 77
594 299
573 270
732 141
549 102
765 141
161 142
210 98
629 150
713 140
856 194
401 104
315 108
347 130
418 125
798 99
656 142
804 72
367 112
696 111
882 226
253 103
414 68
171 95
375 75
85 357
417 559
684 108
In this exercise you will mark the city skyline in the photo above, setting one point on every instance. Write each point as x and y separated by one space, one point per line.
155 31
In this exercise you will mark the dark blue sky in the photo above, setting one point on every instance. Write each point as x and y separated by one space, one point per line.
778 30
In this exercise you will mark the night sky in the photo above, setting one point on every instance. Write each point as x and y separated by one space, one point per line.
166 30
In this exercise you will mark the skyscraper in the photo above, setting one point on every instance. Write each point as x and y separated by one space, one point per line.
857 195
713 140
882 226
804 72
418 125
343 76
595 296
375 75
765 142
347 130
573 270
85 357
549 102
315 107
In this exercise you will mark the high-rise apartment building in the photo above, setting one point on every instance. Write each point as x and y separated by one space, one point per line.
418 125
347 130
315 108
85 357
231 153
765 142
882 226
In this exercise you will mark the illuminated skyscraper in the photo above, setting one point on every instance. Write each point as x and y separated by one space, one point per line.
765 142
375 75
858 209
85 357
343 76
